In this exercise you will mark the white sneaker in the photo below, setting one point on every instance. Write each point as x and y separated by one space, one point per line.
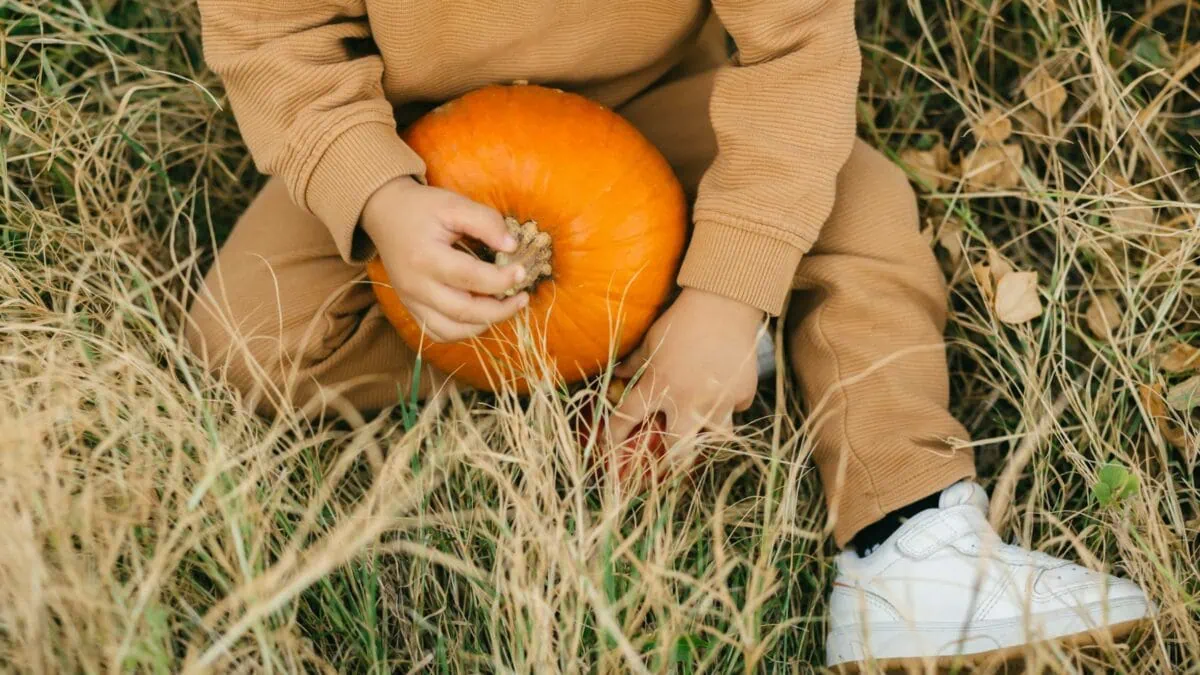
944 587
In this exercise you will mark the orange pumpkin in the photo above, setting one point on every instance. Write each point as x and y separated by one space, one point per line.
601 219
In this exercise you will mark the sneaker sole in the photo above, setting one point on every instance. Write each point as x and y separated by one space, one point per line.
995 657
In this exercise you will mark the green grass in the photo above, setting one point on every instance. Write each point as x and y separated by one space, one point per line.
151 525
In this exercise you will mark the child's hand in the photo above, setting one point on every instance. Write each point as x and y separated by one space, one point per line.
700 366
414 228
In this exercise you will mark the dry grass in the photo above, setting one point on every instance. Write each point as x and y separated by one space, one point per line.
148 524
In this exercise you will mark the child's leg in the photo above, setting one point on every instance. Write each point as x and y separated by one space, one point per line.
289 322
865 332
865 339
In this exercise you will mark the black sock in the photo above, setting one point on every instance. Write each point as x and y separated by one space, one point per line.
877 532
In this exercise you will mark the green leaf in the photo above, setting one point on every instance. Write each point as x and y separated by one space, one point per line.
1152 48
1114 484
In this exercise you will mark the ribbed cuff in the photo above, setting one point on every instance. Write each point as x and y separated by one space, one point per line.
857 504
356 164
750 267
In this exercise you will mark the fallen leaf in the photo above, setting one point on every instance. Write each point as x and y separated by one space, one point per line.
1166 246
1045 93
1114 484
927 235
999 266
1017 298
1034 124
1153 48
1015 154
1180 358
993 127
1185 395
1127 218
1122 186
1152 398
1104 316
994 166
941 155
1136 219
929 165
983 279
950 238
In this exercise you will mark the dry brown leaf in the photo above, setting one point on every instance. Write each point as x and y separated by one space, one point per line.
998 265
927 235
1122 187
1185 395
1104 316
1136 219
950 238
929 165
1152 398
1180 358
1170 238
1017 298
1033 123
993 127
994 166
983 279
1015 154
1045 93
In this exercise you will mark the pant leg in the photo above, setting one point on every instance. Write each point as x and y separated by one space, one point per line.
865 334
289 323
864 329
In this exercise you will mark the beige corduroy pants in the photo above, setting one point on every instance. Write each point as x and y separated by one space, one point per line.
284 318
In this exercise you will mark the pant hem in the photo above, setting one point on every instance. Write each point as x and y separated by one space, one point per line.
858 509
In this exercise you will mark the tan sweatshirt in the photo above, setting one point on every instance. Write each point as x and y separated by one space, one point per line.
319 86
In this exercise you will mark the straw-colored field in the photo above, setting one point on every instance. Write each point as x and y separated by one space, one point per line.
149 524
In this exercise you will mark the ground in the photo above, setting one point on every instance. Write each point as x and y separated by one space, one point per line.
150 524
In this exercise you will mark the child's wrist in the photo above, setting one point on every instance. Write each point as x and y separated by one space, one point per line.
374 214
720 305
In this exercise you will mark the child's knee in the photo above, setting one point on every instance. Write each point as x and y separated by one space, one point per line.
272 350
222 352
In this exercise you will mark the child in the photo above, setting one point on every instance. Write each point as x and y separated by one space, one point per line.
788 208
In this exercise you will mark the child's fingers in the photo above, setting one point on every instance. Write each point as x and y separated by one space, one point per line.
690 420
440 328
460 270
478 310
484 223
633 411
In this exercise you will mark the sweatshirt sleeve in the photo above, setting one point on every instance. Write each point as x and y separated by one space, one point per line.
309 102
783 113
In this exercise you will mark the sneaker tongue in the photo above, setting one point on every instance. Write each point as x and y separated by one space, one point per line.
964 492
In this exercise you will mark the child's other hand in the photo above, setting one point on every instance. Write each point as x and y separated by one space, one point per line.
414 228
700 366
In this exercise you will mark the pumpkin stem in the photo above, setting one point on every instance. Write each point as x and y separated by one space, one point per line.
533 252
